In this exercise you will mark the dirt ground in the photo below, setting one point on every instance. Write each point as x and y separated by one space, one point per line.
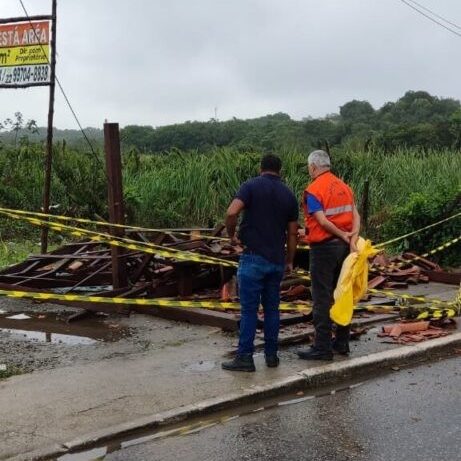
45 340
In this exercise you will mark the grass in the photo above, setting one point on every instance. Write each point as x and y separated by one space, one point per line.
6 371
409 188
12 252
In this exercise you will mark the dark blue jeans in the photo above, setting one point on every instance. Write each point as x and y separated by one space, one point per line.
259 283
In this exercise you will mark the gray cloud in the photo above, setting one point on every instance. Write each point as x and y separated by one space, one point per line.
165 61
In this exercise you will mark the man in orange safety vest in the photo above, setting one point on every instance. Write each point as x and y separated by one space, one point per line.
332 225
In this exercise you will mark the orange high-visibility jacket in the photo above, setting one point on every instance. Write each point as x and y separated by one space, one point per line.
337 200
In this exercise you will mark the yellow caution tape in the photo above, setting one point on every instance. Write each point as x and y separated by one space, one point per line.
422 299
120 226
420 257
169 253
436 314
162 302
157 302
171 231
388 242
130 244
107 224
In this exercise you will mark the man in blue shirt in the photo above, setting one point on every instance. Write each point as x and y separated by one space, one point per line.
270 221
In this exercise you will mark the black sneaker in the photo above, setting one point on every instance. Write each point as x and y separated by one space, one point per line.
315 354
341 349
240 363
272 361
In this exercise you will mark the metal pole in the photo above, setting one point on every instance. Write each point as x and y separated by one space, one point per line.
365 205
49 137
115 200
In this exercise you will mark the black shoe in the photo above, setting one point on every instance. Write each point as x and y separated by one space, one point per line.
315 354
272 361
240 363
341 349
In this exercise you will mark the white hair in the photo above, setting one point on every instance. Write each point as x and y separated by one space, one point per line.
319 158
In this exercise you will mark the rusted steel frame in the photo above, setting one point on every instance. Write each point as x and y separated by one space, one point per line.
186 245
68 256
228 322
115 199
41 17
89 277
185 230
451 278
147 258
141 269
11 280
28 268
55 269
96 307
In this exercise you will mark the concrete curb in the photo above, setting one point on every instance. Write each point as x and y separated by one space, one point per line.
330 373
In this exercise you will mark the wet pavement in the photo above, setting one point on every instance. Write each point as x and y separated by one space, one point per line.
412 414
76 390
53 328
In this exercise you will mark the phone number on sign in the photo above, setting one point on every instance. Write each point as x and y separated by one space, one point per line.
24 74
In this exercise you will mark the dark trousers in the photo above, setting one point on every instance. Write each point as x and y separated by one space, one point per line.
326 260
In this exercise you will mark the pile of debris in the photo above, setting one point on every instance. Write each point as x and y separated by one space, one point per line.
411 332
87 267
407 269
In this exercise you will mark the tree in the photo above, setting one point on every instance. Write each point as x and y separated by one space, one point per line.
19 124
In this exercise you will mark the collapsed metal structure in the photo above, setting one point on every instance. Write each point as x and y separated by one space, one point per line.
97 268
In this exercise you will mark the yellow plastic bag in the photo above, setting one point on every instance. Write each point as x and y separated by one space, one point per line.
352 283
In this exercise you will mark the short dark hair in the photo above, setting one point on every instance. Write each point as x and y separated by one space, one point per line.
271 162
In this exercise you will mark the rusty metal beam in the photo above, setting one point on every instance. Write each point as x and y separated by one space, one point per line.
451 278
115 199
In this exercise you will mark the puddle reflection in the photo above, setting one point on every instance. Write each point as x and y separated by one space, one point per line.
53 329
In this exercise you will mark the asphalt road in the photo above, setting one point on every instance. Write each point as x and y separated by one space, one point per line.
405 415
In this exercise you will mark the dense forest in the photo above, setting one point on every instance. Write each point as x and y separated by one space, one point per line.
417 119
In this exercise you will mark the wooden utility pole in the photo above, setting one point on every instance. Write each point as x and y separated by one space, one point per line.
49 137
115 200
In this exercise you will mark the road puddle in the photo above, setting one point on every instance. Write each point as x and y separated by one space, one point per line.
51 328
197 424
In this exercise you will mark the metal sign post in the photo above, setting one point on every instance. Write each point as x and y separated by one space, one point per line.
49 136
26 61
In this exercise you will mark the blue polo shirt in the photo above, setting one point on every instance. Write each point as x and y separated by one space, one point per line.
269 206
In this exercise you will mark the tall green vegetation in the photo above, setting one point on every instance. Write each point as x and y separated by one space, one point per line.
409 188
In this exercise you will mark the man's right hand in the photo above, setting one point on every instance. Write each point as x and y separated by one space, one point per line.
346 236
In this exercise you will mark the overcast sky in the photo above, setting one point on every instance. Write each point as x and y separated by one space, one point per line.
155 62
